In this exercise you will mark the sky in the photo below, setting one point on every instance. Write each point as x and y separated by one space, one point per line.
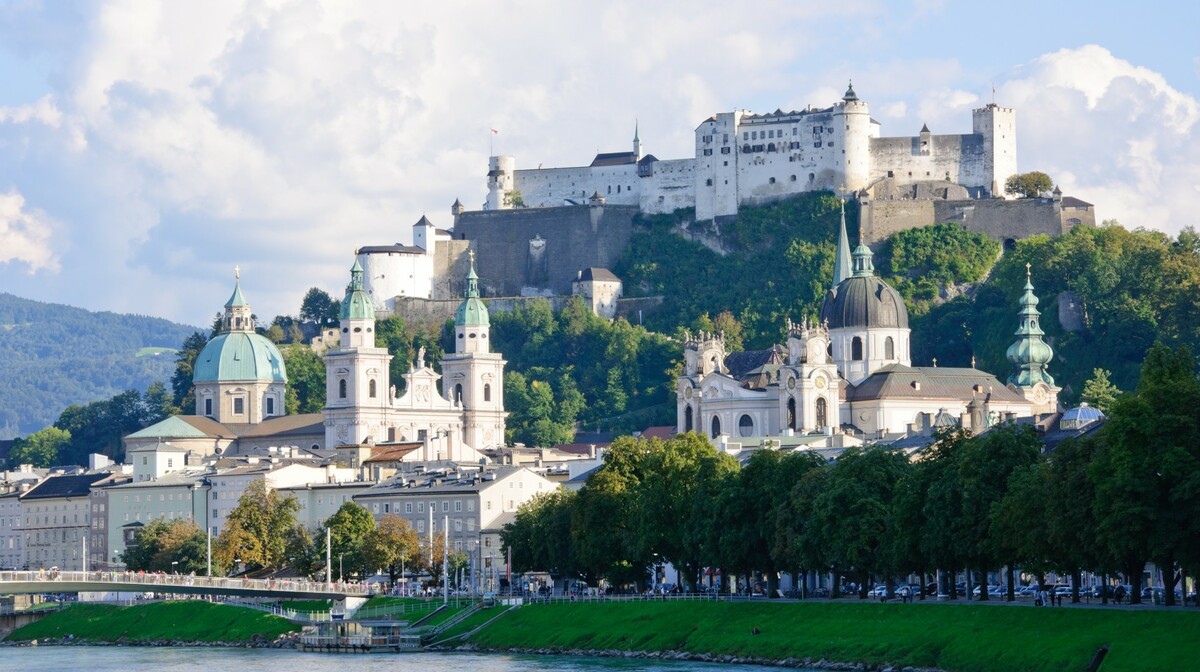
146 149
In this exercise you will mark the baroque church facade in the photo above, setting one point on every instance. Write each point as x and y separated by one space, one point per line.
851 372
456 423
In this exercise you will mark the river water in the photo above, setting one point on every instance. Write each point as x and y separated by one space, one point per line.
181 659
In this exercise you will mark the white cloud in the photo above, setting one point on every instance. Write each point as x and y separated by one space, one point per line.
44 111
1111 132
25 235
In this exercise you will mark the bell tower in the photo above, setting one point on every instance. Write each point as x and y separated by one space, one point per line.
473 376
1030 355
357 382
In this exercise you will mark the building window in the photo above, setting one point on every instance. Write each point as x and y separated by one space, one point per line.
746 425
487 391
856 349
708 182
239 406
889 348
687 419
791 413
458 506
208 407
445 506
458 393
716 427
420 507
822 410
772 180
408 507
270 405
342 388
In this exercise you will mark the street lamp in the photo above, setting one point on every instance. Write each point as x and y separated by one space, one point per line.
237 564
341 575
174 565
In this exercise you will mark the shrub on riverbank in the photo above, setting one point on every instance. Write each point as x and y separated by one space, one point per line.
967 638
189 621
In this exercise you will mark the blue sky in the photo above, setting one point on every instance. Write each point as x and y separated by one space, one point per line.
146 149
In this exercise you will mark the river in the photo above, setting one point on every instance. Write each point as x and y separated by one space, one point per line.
181 659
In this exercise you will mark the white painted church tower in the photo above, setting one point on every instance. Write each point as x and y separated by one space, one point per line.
473 375
357 382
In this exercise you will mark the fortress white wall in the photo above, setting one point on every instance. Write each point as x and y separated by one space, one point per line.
670 186
958 157
553 187
387 275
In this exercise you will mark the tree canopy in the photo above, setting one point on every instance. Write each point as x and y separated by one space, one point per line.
1028 185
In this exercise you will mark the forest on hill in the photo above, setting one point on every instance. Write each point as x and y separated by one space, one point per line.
1124 289
52 356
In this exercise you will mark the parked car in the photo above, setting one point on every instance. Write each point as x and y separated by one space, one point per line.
878 591
1062 590
1028 591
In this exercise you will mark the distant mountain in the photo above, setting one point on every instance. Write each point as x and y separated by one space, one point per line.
52 356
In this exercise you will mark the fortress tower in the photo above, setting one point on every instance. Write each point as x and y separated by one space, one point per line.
998 127
500 182
852 122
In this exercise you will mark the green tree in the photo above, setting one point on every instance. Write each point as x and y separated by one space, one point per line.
302 552
318 306
392 546
306 380
185 368
157 404
348 528
1098 391
40 449
257 530
168 546
1028 185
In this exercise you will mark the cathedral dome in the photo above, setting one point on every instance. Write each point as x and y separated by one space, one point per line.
239 355
864 301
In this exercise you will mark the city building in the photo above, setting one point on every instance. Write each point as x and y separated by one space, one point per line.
55 521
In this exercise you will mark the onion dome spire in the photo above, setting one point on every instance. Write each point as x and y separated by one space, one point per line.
356 305
1029 355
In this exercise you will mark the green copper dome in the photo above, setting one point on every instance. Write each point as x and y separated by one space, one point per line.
357 305
1029 355
239 355
472 312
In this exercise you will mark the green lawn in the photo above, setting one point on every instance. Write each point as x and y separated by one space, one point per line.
471 622
966 638
190 620
446 614
152 351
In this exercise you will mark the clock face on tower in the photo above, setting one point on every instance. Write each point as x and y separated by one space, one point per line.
1039 394
819 382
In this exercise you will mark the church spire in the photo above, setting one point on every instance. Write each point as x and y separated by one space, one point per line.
841 262
238 316
472 312
1029 355
637 142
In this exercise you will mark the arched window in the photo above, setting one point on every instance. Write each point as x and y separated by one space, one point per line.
745 426
791 413
716 427
487 391
822 413
342 389
371 388
889 348
687 419
856 352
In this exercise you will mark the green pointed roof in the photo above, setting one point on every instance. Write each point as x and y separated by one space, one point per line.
841 262
472 312
237 299
173 427
357 305
1029 355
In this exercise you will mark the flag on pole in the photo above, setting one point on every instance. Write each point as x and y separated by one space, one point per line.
495 132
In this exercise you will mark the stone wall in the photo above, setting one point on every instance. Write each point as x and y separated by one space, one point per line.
1004 220
523 251
415 310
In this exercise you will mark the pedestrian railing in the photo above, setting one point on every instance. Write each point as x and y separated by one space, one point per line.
157 582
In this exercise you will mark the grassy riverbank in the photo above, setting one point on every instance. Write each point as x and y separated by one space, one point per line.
189 621
966 638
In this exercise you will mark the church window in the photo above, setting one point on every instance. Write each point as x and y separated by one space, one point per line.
371 386
856 349
791 413
889 348
687 419
239 406
342 389
746 425
208 407
716 427
822 412
270 405
487 391
458 393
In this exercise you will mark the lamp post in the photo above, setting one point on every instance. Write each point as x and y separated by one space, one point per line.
341 575
174 567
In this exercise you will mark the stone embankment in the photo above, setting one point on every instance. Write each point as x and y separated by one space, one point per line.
806 663
284 641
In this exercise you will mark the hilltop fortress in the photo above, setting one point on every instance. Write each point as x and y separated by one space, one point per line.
744 159
540 229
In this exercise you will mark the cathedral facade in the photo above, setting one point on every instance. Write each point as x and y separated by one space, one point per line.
453 423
